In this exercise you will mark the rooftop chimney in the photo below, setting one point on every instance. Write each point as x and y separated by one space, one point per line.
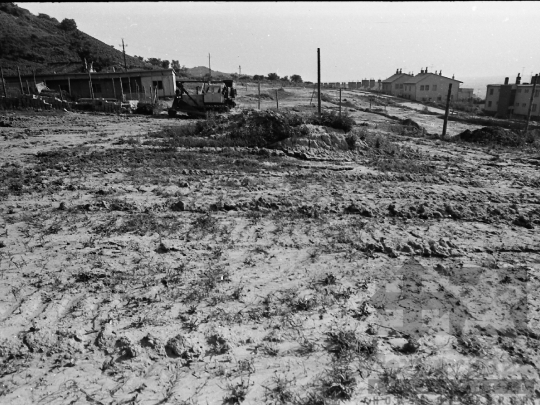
452 77
518 79
440 72
397 71
400 71
506 79
421 71
426 69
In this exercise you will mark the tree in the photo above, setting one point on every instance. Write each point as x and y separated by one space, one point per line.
165 64
154 61
273 76
68 24
285 78
296 79
258 77
175 65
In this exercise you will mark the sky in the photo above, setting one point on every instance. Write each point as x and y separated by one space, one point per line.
357 40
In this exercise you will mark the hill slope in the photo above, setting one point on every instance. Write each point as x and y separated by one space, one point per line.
39 42
201 71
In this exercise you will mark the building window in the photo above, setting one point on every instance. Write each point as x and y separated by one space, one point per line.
490 92
158 84
524 105
96 88
440 99
537 93
534 107
526 90
427 87
489 103
434 87
421 88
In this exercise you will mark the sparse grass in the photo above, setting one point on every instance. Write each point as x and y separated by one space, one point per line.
236 392
346 344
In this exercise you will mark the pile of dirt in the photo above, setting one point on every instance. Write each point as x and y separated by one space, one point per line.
497 135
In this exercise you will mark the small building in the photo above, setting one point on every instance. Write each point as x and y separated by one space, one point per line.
109 84
352 85
465 94
394 84
365 83
507 100
427 86
372 84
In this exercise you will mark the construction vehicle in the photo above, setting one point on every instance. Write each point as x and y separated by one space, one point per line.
210 96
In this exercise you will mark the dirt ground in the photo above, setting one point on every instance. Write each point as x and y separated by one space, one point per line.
132 274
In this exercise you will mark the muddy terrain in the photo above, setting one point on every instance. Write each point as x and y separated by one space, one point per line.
148 260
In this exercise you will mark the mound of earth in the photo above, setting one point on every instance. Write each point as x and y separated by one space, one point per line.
496 135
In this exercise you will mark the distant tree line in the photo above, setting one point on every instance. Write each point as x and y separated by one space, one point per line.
275 77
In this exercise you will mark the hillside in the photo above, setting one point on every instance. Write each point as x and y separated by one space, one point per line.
200 71
39 42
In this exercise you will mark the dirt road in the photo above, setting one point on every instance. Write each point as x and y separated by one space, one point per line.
153 275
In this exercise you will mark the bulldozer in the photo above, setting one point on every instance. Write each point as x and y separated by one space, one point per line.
210 96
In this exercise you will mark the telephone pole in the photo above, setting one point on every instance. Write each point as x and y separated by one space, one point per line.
124 50
319 81
210 69
239 70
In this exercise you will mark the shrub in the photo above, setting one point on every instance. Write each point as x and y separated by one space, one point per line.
68 24
333 120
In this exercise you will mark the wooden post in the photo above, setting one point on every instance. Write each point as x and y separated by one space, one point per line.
3 82
535 82
35 83
319 80
312 94
259 90
137 90
113 88
144 91
90 84
121 89
340 102
69 85
20 80
129 85
277 100
61 95
446 110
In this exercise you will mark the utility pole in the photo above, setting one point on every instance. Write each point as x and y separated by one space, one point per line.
340 102
319 81
210 69
259 91
446 111
535 82
277 100
3 82
124 50
239 71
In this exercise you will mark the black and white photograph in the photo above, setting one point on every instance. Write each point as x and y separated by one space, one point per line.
270 203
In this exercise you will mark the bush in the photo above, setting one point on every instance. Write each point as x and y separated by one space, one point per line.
333 120
68 24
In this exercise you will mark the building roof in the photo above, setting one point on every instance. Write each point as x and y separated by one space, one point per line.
395 76
421 76
130 73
